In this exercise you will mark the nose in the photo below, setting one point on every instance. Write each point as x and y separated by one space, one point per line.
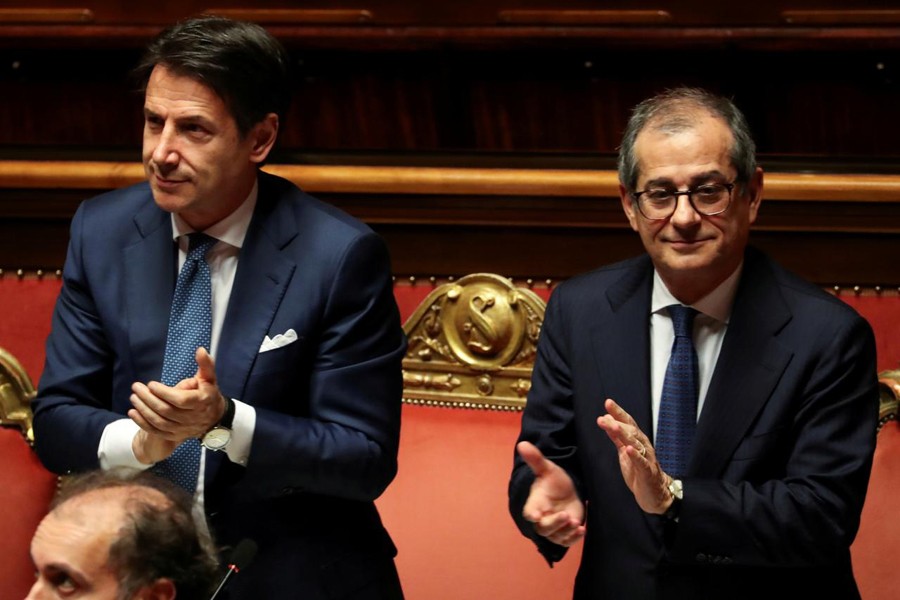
165 151
685 215
35 592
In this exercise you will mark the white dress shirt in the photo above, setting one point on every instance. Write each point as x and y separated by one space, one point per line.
115 448
709 332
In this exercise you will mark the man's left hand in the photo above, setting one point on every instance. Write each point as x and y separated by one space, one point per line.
637 459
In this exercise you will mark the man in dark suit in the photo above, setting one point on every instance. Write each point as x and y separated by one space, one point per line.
303 400
758 493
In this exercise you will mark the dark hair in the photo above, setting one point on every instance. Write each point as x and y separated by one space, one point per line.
159 537
679 109
241 62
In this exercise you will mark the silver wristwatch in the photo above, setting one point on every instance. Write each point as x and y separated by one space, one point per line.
218 437
677 490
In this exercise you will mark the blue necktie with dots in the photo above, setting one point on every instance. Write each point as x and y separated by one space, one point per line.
678 407
190 327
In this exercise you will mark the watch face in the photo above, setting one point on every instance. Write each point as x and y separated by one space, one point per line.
217 438
676 488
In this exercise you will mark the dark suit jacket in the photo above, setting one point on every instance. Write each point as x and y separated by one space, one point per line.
782 452
327 406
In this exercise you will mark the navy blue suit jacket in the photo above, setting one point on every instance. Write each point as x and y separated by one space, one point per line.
327 406
782 453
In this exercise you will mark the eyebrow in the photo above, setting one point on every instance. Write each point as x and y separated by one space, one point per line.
54 569
195 118
696 179
62 568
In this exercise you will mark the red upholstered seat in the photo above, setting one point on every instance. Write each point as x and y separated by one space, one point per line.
447 508
876 550
447 512
26 489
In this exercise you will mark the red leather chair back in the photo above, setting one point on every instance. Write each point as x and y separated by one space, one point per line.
876 549
26 489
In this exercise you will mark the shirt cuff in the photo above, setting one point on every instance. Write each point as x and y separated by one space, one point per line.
116 446
242 429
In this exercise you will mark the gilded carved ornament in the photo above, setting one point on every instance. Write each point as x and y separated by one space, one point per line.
16 393
889 396
472 343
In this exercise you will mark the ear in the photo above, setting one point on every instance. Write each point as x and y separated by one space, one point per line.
262 138
161 589
628 206
755 192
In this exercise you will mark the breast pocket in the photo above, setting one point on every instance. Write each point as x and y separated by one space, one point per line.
279 356
759 445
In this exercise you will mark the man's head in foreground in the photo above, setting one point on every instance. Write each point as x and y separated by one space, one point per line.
121 537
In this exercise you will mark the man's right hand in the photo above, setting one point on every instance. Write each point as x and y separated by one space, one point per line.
553 504
150 448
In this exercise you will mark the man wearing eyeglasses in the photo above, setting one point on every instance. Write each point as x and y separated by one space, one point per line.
704 419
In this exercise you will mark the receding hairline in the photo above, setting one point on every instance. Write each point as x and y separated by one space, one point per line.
117 500
681 115
690 119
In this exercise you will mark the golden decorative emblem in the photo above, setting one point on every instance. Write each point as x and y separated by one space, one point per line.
16 393
473 343
889 396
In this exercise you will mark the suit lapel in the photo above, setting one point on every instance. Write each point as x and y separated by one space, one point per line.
622 347
622 343
262 277
750 364
149 284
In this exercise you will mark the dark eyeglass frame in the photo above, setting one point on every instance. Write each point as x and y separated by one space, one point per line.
690 195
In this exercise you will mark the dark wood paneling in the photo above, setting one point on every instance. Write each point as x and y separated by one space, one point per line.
483 83
824 258
809 103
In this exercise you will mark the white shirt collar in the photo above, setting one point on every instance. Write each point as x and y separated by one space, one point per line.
716 304
232 229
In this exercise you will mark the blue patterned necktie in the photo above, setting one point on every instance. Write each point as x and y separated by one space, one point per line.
678 407
190 327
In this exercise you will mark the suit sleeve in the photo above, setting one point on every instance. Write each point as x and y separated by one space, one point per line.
547 422
73 404
806 514
346 446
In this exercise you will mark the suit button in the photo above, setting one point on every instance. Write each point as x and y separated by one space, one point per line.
701 557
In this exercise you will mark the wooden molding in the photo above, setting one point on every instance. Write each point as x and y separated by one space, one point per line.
355 35
295 16
584 17
60 174
45 16
841 17
822 187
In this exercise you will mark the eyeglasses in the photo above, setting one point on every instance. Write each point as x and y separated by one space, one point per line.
708 199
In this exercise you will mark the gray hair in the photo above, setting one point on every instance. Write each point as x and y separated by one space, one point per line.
679 109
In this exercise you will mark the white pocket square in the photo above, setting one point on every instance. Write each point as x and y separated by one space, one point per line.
279 341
